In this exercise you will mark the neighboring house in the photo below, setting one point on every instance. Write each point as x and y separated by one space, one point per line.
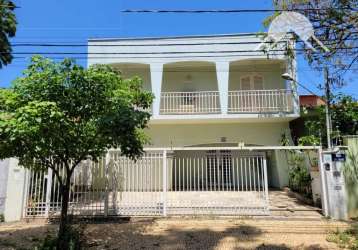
311 101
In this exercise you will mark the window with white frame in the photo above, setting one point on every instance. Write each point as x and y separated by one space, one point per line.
252 82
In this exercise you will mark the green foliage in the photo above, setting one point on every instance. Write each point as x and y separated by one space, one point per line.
7 29
309 140
344 116
335 24
347 239
299 176
350 167
65 112
59 114
2 218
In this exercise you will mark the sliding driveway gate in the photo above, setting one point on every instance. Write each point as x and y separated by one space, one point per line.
188 181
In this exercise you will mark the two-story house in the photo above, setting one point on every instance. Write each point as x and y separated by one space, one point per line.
213 95
221 107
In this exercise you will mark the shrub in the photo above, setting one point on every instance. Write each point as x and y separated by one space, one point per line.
347 239
299 176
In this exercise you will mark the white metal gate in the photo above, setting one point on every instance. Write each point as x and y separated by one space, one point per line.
162 182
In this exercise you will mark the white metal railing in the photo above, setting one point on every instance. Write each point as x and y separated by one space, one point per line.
200 102
176 182
260 101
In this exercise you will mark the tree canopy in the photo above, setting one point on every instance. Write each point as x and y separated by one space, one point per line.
335 23
7 29
344 113
58 114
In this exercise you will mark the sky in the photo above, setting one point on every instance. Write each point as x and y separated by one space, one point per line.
69 21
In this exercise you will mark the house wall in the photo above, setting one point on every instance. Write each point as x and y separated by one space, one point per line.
351 185
219 53
168 135
271 73
252 133
203 79
141 71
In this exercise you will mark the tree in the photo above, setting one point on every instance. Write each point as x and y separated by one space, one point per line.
61 114
7 29
335 23
344 112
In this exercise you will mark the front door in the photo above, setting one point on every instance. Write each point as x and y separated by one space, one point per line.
219 166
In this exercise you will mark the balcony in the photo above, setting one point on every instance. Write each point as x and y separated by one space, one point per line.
260 101
182 103
195 91
241 101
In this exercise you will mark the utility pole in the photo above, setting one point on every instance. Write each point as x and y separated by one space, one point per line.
328 107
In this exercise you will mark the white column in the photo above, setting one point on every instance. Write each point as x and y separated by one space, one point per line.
15 191
156 74
222 73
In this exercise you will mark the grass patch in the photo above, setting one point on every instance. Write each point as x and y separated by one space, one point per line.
347 239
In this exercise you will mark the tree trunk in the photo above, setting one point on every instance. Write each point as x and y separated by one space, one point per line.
62 242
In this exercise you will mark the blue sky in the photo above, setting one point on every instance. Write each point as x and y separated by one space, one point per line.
69 21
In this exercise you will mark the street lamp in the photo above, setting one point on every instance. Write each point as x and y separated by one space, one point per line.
288 77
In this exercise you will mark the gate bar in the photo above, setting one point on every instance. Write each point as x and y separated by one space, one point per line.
164 194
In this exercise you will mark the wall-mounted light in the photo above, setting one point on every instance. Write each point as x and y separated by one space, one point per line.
188 78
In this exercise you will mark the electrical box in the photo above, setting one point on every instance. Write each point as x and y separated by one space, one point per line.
335 185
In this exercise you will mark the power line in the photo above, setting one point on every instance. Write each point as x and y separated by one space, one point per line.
226 11
133 45
138 53
157 53
24 44
183 69
161 57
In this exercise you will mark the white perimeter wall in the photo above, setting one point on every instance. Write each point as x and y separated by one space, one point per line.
4 169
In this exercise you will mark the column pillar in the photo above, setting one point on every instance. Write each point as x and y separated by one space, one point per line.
156 74
222 73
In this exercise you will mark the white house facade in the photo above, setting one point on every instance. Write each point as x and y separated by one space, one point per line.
220 111
208 89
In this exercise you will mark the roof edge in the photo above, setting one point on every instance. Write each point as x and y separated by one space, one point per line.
174 37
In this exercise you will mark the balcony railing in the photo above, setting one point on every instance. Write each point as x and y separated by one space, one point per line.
201 102
260 101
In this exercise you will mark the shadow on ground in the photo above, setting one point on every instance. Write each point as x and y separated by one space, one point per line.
149 234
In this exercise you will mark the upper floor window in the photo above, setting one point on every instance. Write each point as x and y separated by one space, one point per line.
251 82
